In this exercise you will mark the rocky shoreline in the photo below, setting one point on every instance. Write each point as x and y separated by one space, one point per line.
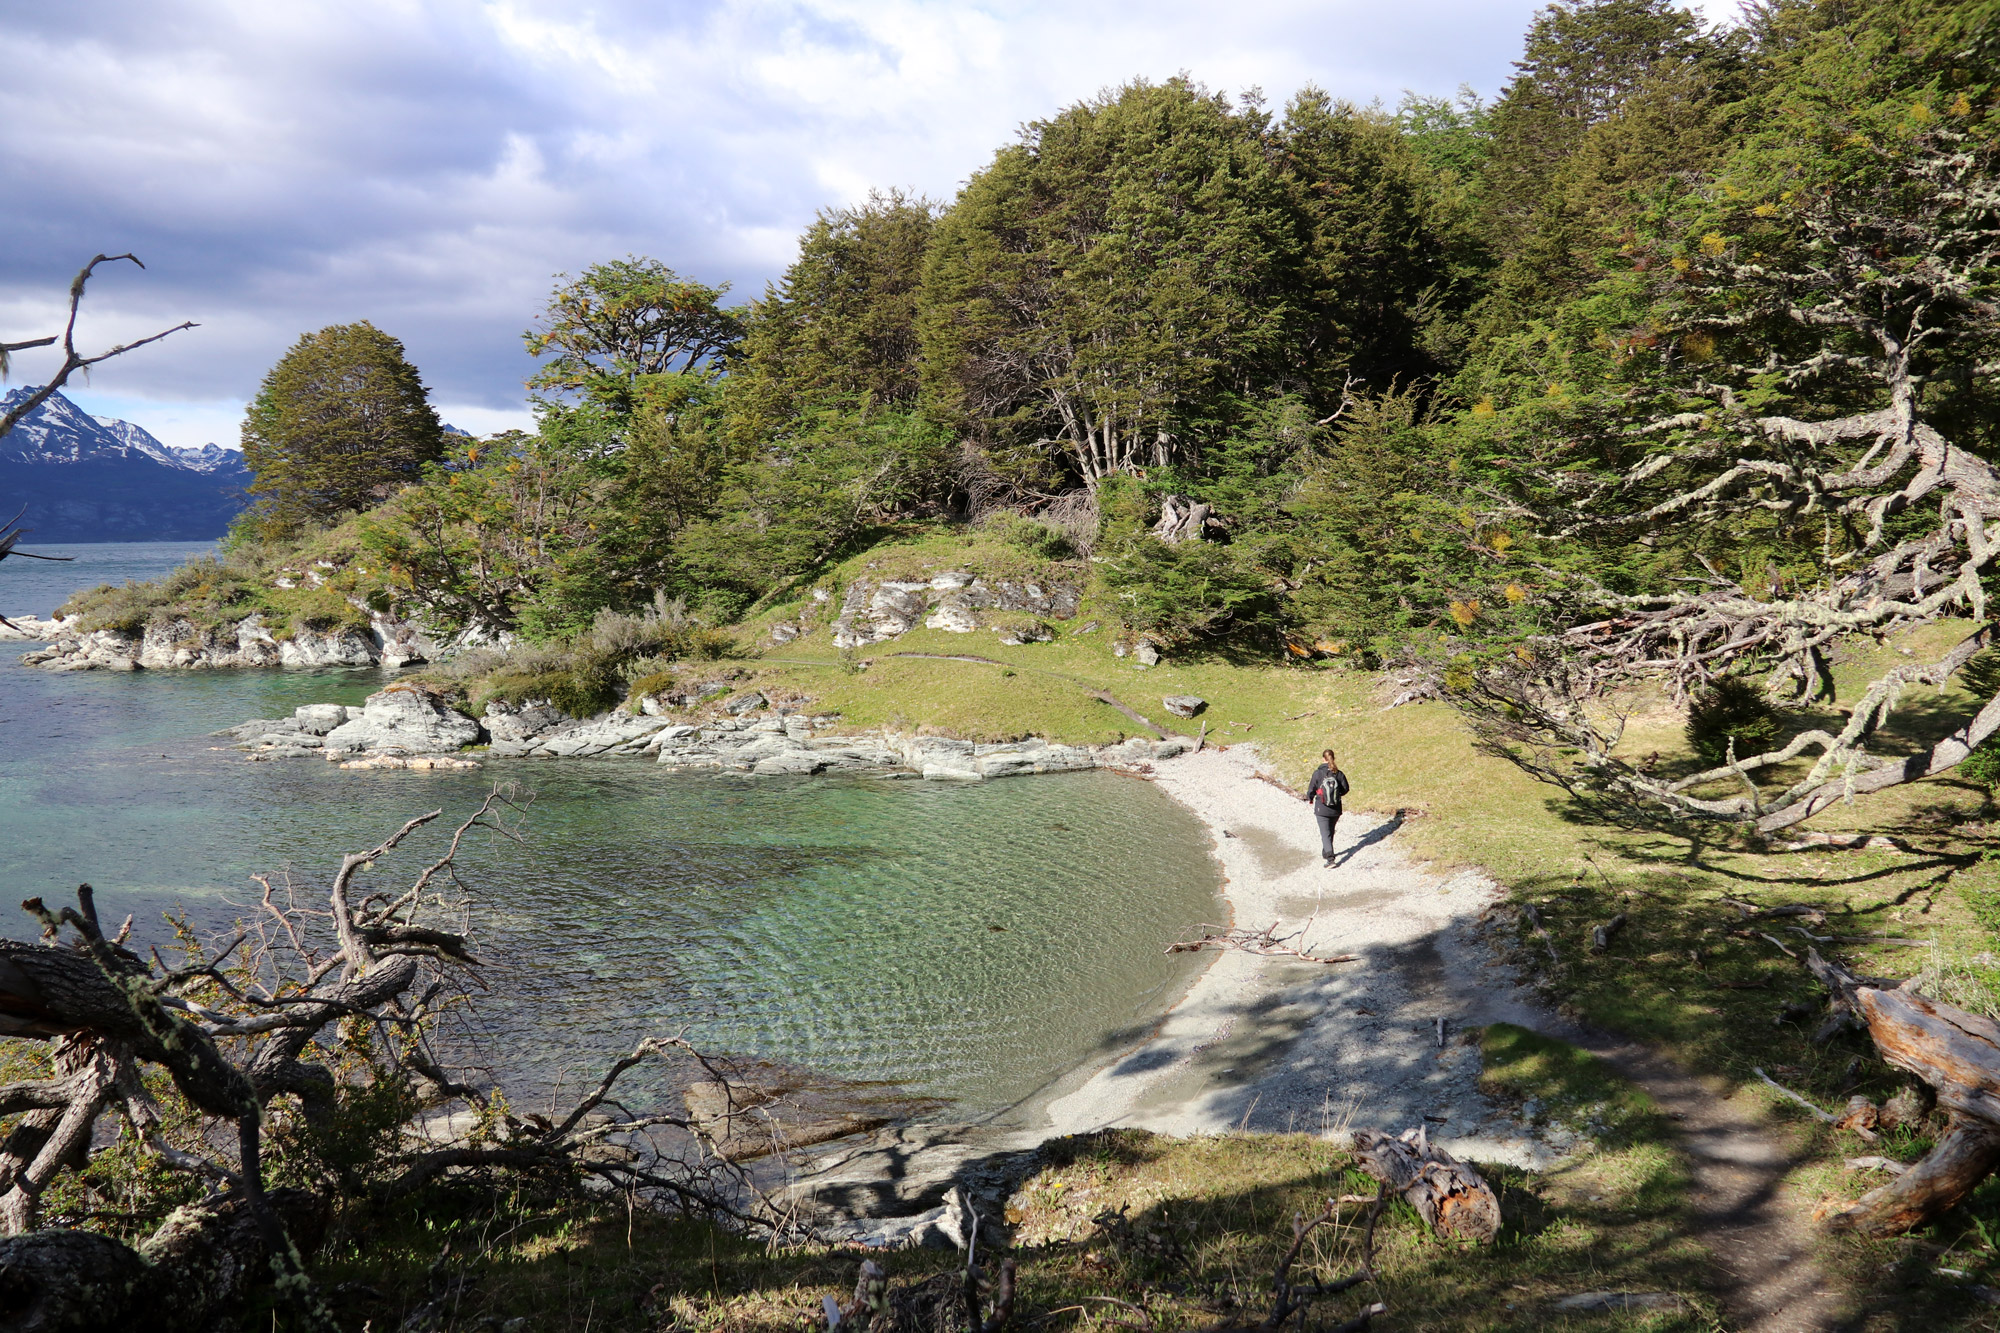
872 611
407 726
386 642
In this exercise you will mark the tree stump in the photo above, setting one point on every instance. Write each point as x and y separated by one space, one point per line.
1449 1195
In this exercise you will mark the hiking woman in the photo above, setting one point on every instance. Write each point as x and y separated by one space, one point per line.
1328 785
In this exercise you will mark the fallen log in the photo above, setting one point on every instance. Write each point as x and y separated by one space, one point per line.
1958 1055
1600 939
1448 1194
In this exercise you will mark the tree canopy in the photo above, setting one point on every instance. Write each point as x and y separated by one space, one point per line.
625 319
339 422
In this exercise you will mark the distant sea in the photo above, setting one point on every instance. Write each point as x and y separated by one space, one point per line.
971 940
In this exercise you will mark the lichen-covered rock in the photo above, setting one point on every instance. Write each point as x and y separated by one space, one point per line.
249 642
512 724
876 611
321 718
1183 705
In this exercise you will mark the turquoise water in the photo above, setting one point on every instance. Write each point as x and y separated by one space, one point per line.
972 940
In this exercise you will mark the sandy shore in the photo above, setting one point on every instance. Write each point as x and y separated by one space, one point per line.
1270 1043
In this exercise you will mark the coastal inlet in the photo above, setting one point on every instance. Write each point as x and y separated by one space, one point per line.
975 939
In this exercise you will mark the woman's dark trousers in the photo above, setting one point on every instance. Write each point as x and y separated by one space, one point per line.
1327 819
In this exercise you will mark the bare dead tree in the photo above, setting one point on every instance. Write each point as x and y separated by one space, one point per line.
73 360
250 1034
1880 323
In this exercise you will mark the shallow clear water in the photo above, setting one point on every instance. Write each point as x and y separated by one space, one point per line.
974 940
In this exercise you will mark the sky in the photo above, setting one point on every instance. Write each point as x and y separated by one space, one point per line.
431 165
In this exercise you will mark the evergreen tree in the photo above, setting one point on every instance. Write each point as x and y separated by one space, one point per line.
1110 282
842 324
627 319
1583 58
1390 257
340 422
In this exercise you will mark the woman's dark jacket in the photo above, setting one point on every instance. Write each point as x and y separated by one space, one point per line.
1326 788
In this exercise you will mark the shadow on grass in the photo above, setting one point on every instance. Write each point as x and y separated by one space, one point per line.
1188 1230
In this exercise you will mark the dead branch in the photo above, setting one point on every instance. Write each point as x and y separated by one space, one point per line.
73 360
1448 1194
1265 943
235 1038
1958 1055
1882 298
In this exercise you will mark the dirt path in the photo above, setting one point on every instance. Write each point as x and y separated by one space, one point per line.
1271 1044
1762 1247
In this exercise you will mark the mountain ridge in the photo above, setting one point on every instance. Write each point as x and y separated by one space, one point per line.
75 477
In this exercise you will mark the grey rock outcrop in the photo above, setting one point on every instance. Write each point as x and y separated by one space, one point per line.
1184 705
404 720
613 733
875 611
248 642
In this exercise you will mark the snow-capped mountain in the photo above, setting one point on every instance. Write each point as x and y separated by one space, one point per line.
199 458
93 479
61 432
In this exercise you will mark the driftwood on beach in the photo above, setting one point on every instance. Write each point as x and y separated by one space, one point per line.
1266 943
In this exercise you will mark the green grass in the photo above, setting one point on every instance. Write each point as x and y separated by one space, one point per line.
1188 1229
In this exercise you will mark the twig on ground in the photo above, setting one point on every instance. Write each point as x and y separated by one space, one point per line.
1265 943
1823 1117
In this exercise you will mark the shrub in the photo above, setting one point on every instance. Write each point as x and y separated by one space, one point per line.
1731 707
1982 766
1031 536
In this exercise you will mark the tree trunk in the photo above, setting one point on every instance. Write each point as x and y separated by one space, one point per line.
69 1280
1969 1150
1958 1055
191 1275
1448 1194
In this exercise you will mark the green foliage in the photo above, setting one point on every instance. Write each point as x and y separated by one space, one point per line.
1451 134
1732 709
1583 60
624 320
841 326
1982 766
1032 536
1386 258
621 655
1107 282
338 425
836 475
212 594
1171 593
